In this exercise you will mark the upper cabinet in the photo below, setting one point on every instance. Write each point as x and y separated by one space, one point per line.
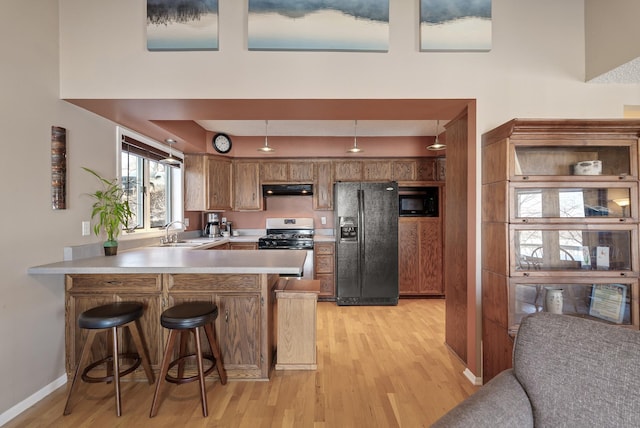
207 183
299 171
247 193
323 185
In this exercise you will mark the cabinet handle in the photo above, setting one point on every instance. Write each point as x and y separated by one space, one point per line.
525 177
524 220
226 315
525 274
114 282
623 274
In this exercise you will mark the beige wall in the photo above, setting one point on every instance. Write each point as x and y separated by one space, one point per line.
535 69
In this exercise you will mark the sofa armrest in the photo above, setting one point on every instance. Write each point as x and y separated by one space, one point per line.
500 403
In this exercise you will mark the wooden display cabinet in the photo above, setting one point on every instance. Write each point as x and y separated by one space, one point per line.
559 210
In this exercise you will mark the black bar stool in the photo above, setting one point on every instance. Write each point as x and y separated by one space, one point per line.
110 317
187 318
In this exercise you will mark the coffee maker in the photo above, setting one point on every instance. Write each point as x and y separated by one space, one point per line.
212 228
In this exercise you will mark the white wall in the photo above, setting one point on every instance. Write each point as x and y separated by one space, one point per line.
32 307
535 69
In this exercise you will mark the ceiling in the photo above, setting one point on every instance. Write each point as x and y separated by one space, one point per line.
324 128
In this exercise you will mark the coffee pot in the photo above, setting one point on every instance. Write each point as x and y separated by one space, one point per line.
212 228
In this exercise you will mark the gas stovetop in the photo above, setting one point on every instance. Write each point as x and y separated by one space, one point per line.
288 233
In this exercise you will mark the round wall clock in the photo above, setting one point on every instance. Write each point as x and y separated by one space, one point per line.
221 142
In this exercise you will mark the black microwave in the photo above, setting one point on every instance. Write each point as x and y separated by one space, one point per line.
419 201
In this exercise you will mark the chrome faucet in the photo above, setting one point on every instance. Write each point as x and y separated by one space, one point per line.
173 237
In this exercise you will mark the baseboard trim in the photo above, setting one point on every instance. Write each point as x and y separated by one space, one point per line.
477 381
31 400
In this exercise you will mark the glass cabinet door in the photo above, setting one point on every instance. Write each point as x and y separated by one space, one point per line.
537 251
590 162
545 202
611 302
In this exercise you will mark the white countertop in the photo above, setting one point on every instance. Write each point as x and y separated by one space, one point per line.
183 260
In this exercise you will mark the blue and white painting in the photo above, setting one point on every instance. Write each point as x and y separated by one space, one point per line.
182 25
455 25
319 25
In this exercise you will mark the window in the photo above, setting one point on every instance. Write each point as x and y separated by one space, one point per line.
153 189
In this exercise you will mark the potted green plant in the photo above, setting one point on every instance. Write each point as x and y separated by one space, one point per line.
111 210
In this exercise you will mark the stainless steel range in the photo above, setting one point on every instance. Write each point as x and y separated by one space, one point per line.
290 234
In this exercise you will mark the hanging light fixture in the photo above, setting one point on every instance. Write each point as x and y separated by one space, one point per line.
266 148
170 160
437 145
355 148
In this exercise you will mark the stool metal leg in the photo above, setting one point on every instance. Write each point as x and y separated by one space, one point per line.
166 359
215 350
203 391
84 359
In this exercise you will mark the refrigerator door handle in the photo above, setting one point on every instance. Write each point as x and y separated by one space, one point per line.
361 239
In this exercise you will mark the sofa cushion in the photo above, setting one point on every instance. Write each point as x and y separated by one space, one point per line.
578 372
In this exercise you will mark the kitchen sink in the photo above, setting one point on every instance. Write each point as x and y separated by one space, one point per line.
180 244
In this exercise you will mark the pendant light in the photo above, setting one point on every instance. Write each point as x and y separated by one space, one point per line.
170 160
355 148
437 145
266 148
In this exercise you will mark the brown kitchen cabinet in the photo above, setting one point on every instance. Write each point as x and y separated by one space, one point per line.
324 269
323 185
247 191
225 246
244 327
84 292
286 171
347 170
207 183
405 170
420 255
377 170
243 245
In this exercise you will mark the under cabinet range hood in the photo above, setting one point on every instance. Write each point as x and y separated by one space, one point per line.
287 190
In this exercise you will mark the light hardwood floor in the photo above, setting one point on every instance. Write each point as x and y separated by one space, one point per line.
377 367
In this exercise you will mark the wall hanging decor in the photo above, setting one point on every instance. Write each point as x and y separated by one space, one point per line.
182 25
58 168
455 25
319 25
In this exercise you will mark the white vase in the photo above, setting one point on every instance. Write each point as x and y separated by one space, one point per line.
553 300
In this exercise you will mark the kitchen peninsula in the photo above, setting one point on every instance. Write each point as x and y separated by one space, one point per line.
241 282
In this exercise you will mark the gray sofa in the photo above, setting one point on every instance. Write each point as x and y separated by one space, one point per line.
567 372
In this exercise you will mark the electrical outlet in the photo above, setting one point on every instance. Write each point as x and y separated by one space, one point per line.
86 228
323 220
186 222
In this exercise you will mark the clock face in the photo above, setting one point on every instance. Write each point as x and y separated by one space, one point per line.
222 143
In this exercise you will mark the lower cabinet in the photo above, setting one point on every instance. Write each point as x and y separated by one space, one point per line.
420 256
324 268
243 246
244 328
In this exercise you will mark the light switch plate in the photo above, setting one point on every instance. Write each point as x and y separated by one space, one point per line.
86 228
323 220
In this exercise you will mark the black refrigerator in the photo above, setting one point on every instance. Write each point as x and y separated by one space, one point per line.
366 216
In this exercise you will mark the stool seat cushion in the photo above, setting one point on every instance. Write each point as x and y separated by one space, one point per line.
189 315
111 315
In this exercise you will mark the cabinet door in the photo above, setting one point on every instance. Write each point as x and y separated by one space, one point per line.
195 183
323 186
239 320
301 172
246 186
348 170
431 262
409 258
426 169
219 184
377 170
404 170
324 268
273 172
76 303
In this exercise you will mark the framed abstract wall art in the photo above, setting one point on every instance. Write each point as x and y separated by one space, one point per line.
455 25
319 25
182 25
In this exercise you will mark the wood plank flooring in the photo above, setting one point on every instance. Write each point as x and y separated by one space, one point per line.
377 367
